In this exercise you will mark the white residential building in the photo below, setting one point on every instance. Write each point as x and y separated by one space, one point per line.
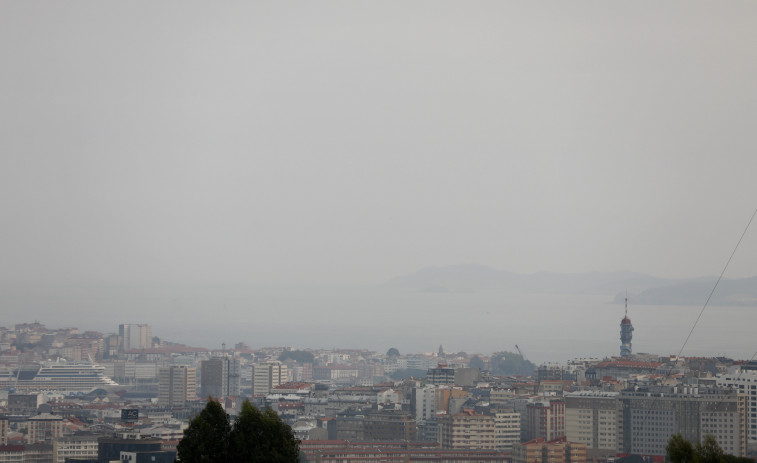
506 429
74 447
745 379
135 336
425 402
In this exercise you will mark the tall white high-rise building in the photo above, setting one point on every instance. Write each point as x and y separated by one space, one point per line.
506 429
425 402
744 379
135 336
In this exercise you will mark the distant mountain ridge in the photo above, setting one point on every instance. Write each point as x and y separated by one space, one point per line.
741 291
642 288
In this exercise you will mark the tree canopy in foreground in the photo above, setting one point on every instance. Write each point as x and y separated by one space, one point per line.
680 450
254 436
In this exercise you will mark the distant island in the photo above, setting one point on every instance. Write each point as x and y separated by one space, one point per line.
732 292
642 289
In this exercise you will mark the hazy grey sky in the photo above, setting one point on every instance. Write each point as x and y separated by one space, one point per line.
326 142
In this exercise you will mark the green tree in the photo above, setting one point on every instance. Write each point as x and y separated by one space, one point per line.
393 352
476 362
207 437
509 363
735 459
255 437
680 450
708 451
261 437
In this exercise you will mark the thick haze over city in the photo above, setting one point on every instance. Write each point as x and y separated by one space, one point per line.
266 167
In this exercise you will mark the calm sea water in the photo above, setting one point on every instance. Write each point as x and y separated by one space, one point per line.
547 327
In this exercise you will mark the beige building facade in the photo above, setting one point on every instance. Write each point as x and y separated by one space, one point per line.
592 418
555 451
176 385
266 376
74 447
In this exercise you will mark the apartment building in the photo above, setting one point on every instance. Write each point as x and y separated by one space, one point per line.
744 378
592 418
74 447
467 430
176 385
43 428
220 377
506 429
134 336
266 376
4 422
558 450
424 402
651 415
391 426
545 419
441 375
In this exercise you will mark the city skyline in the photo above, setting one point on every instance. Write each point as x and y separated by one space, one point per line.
501 231
65 389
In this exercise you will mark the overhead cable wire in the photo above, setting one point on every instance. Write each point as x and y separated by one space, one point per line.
706 303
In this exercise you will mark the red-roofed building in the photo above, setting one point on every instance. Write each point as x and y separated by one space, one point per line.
621 369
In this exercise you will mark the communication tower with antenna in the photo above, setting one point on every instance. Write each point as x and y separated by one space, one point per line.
626 333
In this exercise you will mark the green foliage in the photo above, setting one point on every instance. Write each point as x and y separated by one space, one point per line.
708 451
262 437
393 352
509 363
299 356
476 362
255 436
207 437
735 459
679 450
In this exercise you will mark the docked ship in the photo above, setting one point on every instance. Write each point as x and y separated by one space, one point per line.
60 375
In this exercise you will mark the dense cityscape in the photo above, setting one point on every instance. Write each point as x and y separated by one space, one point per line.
70 396
378 231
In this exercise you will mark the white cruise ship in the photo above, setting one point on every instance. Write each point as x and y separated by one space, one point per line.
59 376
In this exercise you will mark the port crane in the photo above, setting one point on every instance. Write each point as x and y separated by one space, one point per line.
521 353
